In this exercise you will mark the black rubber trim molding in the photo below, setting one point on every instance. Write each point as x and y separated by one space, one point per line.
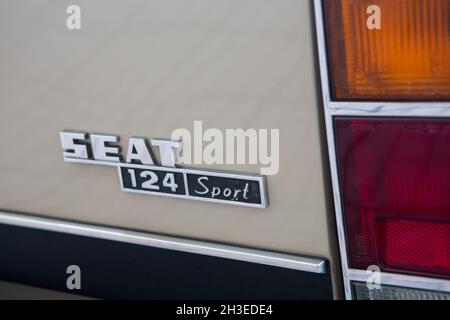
117 270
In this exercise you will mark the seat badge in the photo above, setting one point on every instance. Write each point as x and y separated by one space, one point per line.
139 173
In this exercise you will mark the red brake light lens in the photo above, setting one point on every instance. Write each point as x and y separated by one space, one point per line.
413 245
394 176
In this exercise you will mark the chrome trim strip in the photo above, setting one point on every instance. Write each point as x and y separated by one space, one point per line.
331 148
300 263
393 111
371 107
375 109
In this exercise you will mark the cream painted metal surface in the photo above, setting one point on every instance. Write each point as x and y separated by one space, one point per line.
145 68
14 291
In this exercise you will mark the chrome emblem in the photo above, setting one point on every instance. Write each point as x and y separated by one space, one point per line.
140 173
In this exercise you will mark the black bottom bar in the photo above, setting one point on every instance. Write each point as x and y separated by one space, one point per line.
115 270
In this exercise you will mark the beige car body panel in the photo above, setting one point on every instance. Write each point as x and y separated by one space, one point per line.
146 68
15 291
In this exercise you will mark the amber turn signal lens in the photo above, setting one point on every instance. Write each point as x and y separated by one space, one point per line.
388 50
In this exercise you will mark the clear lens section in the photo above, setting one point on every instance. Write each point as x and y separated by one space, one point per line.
361 292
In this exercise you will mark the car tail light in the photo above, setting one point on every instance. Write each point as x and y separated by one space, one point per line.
406 59
361 292
394 176
385 71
